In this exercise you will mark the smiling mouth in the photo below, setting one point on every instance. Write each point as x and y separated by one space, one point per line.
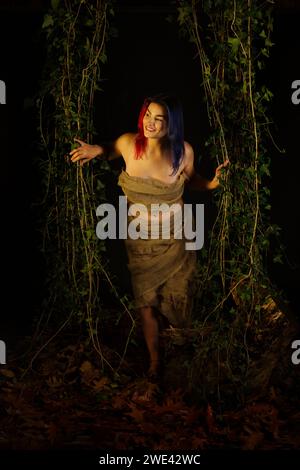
149 130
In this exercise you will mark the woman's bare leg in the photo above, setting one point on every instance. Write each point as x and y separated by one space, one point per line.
151 333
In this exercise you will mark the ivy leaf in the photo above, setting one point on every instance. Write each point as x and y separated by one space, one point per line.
234 42
103 58
54 4
48 21
90 234
183 14
99 185
269 43
264 170
87 44
265 52
278 259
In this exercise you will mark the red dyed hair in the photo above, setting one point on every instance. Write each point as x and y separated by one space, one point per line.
141 141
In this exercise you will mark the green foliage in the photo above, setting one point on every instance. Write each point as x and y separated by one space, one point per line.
232 40
76 33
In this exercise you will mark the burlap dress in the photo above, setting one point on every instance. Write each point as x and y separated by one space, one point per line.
162 270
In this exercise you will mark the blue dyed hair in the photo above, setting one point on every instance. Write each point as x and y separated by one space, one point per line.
174 140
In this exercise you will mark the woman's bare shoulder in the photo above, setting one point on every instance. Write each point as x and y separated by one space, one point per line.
188 157
124 142
188 160
127 138
188 149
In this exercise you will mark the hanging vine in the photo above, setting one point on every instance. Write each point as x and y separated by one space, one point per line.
77 272
232 40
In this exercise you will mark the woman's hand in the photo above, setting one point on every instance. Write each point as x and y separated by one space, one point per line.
85 152
215 182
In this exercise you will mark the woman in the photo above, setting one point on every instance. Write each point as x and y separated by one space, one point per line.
157 164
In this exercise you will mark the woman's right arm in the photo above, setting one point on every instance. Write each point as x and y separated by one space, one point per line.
86 152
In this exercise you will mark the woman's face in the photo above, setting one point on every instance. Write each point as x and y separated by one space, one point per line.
155 121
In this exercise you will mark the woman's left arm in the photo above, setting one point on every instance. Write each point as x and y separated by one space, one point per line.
197 182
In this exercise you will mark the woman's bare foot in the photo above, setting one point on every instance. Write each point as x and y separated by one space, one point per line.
154 370
154 367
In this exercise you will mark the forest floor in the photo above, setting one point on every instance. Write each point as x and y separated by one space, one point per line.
63 400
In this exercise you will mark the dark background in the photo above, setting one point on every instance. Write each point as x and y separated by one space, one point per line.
147 57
